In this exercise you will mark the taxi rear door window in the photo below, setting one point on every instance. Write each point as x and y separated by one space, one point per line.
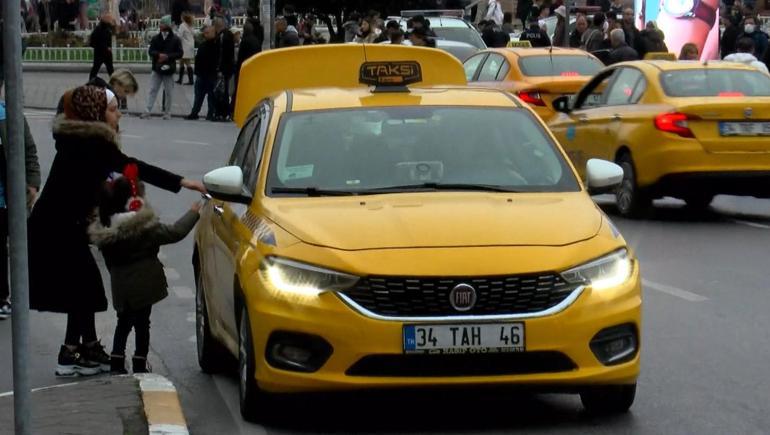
491 68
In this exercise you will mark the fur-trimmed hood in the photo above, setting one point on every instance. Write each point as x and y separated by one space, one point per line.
62 126
123 226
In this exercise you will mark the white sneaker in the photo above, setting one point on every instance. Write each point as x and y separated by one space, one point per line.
5 310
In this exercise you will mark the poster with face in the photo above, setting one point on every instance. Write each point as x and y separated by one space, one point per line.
683 22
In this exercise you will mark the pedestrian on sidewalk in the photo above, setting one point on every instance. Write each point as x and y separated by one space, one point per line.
226 68
129 235
101 42
32 169
122 83
205 74
185 33
64 277
165 50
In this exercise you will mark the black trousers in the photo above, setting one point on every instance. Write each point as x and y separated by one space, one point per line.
99 59
139 321
5 291
81 328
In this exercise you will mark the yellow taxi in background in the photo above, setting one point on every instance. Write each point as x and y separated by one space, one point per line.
364 236
536 75
684 129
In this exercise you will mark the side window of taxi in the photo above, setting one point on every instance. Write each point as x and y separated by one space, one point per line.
248 149
472 65
627 88
492 67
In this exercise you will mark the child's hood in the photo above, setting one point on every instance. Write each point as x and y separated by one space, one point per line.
123 226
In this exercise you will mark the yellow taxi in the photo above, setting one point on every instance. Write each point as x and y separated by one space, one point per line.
689 130
536 75
378 226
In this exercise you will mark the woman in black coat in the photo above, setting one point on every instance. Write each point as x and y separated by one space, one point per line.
64 277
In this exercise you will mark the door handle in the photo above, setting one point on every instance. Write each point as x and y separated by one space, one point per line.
616 117
219 210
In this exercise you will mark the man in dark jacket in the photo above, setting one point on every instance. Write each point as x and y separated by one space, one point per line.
226 64
205 74
753 31
33 185
286 35
621 52
632 34
101 42
251 44
165 50
535 35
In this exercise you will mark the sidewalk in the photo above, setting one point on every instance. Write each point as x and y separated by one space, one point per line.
140 404
42 90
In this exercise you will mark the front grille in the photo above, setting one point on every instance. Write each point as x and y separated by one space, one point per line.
429 297
520 363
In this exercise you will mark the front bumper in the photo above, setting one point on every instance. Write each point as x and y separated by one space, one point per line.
355 337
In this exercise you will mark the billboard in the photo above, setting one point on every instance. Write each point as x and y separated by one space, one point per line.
684 21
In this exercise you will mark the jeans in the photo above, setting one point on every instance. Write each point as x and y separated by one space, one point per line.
139 320
99 59
204 87
81 328
167 81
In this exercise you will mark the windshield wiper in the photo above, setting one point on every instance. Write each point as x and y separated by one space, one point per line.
312 191
443 186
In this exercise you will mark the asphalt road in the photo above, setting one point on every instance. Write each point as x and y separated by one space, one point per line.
706 344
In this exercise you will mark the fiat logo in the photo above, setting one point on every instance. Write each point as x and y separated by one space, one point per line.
747 112
462 297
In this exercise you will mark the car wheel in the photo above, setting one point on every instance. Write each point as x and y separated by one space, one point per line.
250 396
699 201
609 399
631 200
211 354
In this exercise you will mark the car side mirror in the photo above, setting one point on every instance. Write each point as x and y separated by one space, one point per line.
226 184
603 176
561 104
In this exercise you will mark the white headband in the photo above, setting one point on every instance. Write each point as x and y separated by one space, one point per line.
110 96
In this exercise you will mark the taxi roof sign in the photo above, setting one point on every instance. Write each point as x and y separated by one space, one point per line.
334 66
519 44
398 73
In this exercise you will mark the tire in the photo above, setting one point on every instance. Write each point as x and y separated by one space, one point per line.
609 399
212 356
251 399
699 202
631 201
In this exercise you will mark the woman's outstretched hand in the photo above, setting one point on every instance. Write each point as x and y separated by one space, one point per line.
193 185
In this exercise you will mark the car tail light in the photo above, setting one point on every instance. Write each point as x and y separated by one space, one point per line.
569 74
730 94
534 98
674 122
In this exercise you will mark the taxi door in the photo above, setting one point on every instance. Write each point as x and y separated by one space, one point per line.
585 132
228 228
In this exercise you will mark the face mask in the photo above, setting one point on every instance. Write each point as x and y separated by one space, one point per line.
165 34
606 26
749 28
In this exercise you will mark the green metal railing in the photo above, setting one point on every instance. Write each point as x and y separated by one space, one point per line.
84 55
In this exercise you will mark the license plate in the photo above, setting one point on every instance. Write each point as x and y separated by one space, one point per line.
744 128
464 338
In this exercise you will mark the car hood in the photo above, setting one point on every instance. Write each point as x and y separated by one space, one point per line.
438 220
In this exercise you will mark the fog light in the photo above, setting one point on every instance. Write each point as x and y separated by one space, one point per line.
297 352
616 345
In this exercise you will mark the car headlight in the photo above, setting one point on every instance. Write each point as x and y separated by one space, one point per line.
303 279
608 271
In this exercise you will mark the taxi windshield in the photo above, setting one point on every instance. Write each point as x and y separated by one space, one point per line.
408 148
712 82
542 66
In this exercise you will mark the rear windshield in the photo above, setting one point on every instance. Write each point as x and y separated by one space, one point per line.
711 82
541 66
460 34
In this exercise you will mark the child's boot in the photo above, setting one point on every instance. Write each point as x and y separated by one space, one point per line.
118 365
140 364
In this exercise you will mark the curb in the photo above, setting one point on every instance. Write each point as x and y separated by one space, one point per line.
136 113
161 405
